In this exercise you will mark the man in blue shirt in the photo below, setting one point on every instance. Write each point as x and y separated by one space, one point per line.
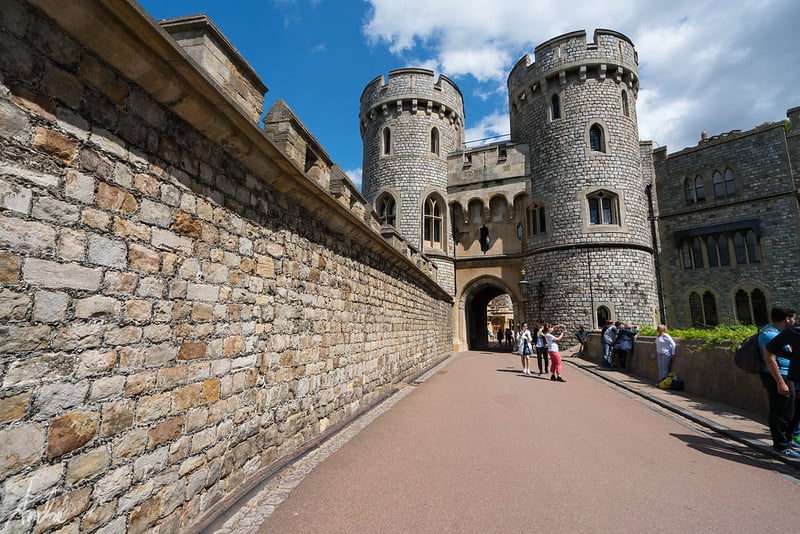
784 408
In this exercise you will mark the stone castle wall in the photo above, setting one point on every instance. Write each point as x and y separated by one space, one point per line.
765 192
177 310
596 83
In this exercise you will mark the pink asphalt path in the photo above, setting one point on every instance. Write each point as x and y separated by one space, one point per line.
479 447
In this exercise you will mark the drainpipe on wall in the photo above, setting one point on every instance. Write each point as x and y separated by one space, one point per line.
653 236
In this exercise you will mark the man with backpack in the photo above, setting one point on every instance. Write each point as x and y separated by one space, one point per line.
776 341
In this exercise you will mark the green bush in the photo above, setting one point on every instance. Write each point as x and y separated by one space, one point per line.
719 335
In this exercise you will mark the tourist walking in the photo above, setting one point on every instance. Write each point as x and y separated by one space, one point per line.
552 349
525 344
778 341
541 347
665 351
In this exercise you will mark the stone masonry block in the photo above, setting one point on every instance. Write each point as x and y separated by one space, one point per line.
22 447
60 510
71 431
27 236
14 407
9 267
57 275
55 144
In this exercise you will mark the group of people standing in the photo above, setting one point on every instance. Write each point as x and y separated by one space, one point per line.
544 341
618 338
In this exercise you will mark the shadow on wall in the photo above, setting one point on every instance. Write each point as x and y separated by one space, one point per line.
709 373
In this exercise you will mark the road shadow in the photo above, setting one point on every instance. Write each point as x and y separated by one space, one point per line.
737 452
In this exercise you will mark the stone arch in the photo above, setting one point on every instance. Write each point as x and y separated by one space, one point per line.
473 302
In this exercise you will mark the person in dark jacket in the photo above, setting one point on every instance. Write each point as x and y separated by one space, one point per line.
623 345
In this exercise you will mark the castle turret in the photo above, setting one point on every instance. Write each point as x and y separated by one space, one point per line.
591 256
408 126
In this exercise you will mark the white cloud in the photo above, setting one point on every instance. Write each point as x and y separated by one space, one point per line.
489 127
355 176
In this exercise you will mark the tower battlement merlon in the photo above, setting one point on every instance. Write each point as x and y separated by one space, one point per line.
611 55
411 83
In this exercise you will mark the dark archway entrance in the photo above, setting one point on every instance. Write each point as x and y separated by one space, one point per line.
475 312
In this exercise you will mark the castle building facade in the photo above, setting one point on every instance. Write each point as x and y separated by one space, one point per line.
574 218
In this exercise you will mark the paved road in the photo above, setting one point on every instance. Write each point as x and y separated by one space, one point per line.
478 447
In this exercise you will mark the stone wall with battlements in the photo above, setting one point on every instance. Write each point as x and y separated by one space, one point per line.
181 305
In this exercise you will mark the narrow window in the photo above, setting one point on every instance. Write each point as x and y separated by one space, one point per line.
387 141
596 141
435 141
536 218
753 255
697 253
696 309
730 185
625 106
719 185
724 254
710 309
740 249
759 303
711 249
742 305
686 254
556 106
602 315
387 210
699 189
432 223
688 186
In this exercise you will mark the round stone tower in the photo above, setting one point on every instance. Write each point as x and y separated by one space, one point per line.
408 127
589 248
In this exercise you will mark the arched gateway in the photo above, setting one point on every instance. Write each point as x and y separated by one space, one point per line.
473 313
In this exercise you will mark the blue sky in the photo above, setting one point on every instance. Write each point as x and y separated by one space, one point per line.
704 65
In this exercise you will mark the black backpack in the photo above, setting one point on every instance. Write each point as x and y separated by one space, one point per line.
748 356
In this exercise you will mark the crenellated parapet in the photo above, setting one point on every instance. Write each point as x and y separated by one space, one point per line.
611 56
414 91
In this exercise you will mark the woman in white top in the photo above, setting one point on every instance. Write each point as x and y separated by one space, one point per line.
665 350
552 349
525 344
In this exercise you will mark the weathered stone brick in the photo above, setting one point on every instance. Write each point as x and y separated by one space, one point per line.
78 186
211 390
72 245
185 224
50 306
138 310
105 80
139 383
26 236
13 197
171 377
143 259
115 199
186 397
13 305
202 311
108 252
15 339
14 122
13 408
129 445
9 267
97 306
87 466
97 219
38 103
117 417
233 345
93 162
165 431
202 292
147 185
22 448
29 487
106 387
61 275
55 144
58 511
71 431
129 229
62 86
113 484
152 407
191 351
171 241
145 516
101 515
117 283
78 335
92 362
126 335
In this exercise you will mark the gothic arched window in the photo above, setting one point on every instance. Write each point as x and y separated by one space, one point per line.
387 210
603 208
597 140
432 223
